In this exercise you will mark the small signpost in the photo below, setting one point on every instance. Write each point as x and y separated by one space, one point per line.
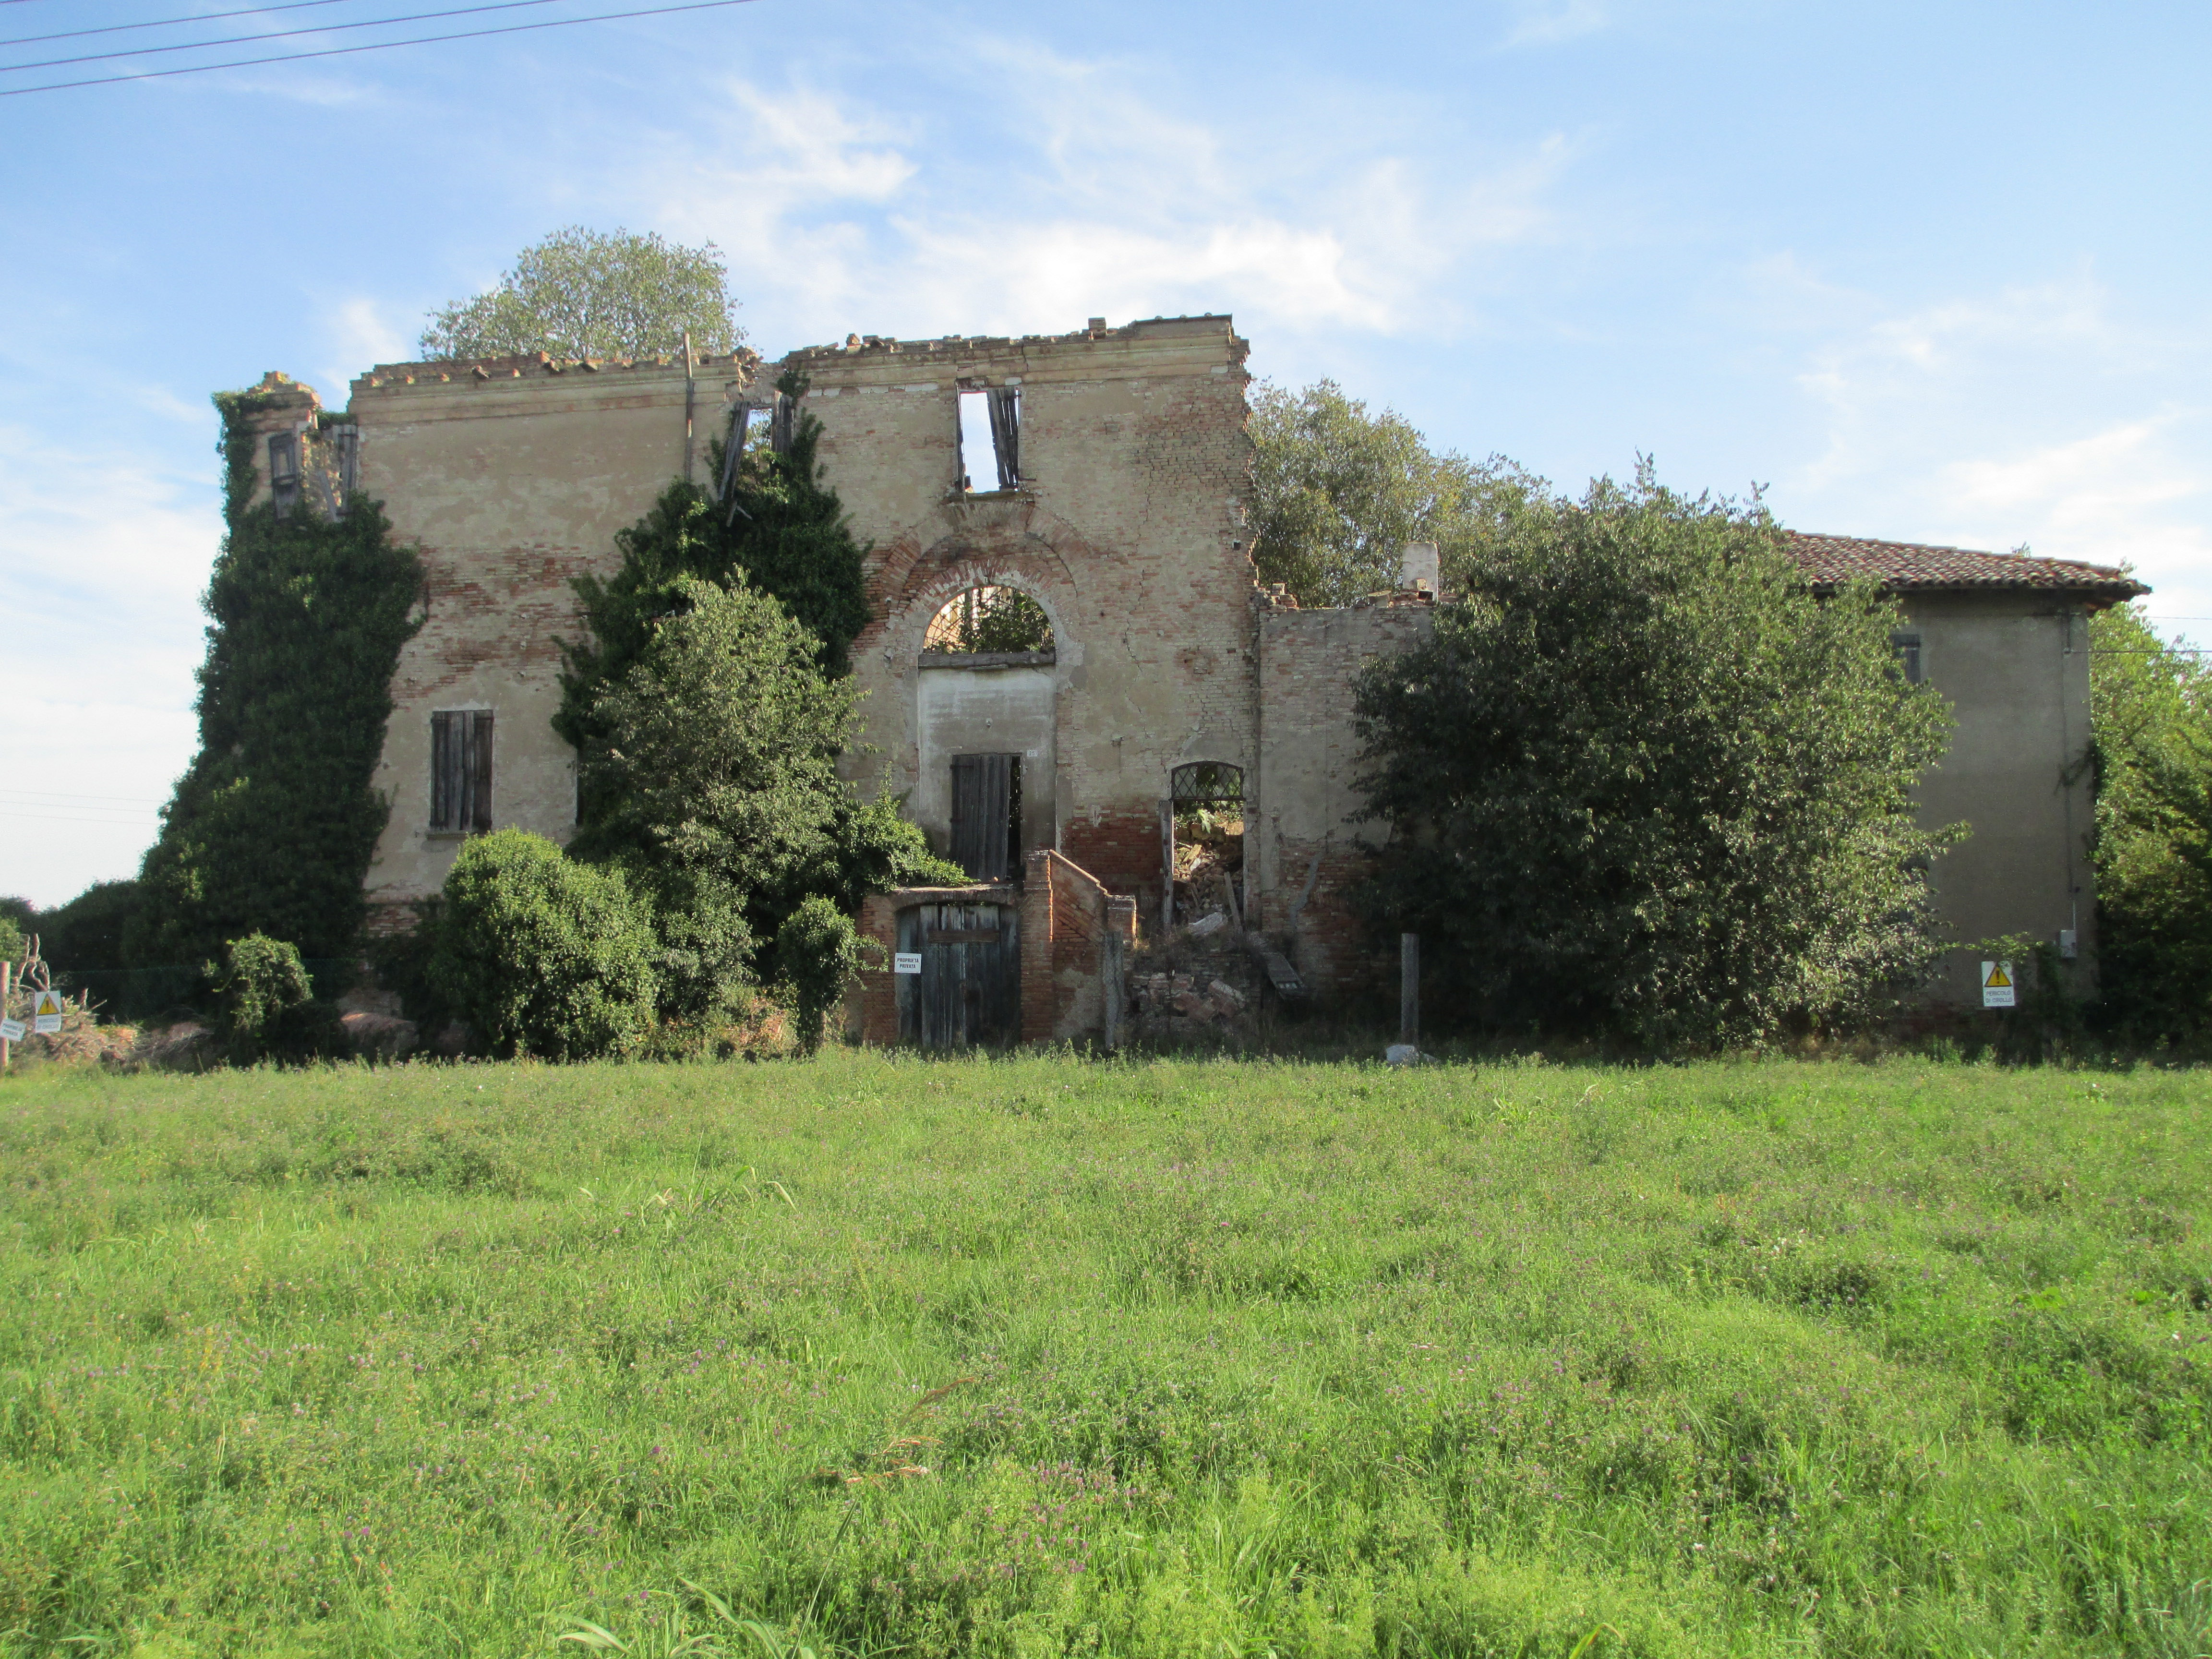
47 1013
11 1030
1997 989
906 962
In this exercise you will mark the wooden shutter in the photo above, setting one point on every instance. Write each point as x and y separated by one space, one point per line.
460 770
444 771
480 771
982 800
1004 402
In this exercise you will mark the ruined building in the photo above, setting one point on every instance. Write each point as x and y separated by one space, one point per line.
1068 656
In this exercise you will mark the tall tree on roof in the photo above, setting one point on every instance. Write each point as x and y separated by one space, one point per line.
1337 493
588 293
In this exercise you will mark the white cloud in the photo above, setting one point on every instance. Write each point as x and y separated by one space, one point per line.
2027 416
1549 23
360 332
102 565
1078 193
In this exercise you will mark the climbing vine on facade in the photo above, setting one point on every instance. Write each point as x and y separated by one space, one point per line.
272 826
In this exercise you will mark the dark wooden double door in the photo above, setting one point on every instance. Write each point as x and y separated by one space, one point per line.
968 993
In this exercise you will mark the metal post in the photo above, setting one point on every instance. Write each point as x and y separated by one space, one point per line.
6 968
1409 989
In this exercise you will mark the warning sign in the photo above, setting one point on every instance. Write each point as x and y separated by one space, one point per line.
906 962
11 1030
47 1013
1996 985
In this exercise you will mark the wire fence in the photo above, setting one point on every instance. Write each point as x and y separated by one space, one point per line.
141 994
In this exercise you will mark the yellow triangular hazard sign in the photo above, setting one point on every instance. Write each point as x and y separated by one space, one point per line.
49 1004
1996 981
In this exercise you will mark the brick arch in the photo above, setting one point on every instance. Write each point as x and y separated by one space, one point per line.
950 569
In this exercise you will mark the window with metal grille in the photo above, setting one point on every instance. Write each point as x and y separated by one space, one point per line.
461 771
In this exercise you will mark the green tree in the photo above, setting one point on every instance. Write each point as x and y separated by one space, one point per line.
2151 716
819 949
1337 493
87 933
715 785
585 294
272 826
542 954
778 528
1644 784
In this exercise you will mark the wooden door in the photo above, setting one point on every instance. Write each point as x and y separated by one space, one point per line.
986 805
968 993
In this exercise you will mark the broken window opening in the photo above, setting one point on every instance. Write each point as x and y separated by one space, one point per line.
990 438
989 619
986 816
461 771
284 469
1206 843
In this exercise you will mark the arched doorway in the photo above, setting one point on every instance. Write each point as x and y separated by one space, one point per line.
1202 838
984 705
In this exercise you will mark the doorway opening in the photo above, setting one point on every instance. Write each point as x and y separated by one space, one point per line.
1204 844
986 816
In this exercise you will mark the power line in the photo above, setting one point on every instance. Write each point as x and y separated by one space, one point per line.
374 45
76 795
274 35
168 22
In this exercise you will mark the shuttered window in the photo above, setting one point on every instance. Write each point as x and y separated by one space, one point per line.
461 771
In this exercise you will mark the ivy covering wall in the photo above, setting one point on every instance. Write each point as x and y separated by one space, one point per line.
272 826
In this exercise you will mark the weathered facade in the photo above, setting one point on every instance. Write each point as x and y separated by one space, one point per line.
1169 683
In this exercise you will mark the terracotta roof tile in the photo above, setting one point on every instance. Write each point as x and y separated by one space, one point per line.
1905 566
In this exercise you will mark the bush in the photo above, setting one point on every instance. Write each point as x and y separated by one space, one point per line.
543 955
819 951
2151 715
261 982
1644 784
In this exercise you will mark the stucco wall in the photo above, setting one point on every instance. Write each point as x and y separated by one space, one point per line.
2015 668
509 482
984 711
1301 849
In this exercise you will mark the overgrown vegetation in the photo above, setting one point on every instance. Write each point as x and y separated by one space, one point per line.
709 705
272 826
1148 1359
819 951
1337 493
1643 785
2151 707
595 295
540 954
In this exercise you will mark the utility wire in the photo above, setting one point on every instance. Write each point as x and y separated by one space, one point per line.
374 45
274 35
167 22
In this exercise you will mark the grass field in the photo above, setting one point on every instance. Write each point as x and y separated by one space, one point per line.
1042 1356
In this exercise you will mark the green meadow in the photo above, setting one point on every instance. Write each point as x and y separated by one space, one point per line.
1040 1355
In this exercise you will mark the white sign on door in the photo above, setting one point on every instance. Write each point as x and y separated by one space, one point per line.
906 962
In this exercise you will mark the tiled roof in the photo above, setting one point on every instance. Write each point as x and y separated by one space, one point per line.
1901 567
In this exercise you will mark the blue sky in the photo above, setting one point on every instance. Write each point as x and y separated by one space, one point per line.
1934 272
